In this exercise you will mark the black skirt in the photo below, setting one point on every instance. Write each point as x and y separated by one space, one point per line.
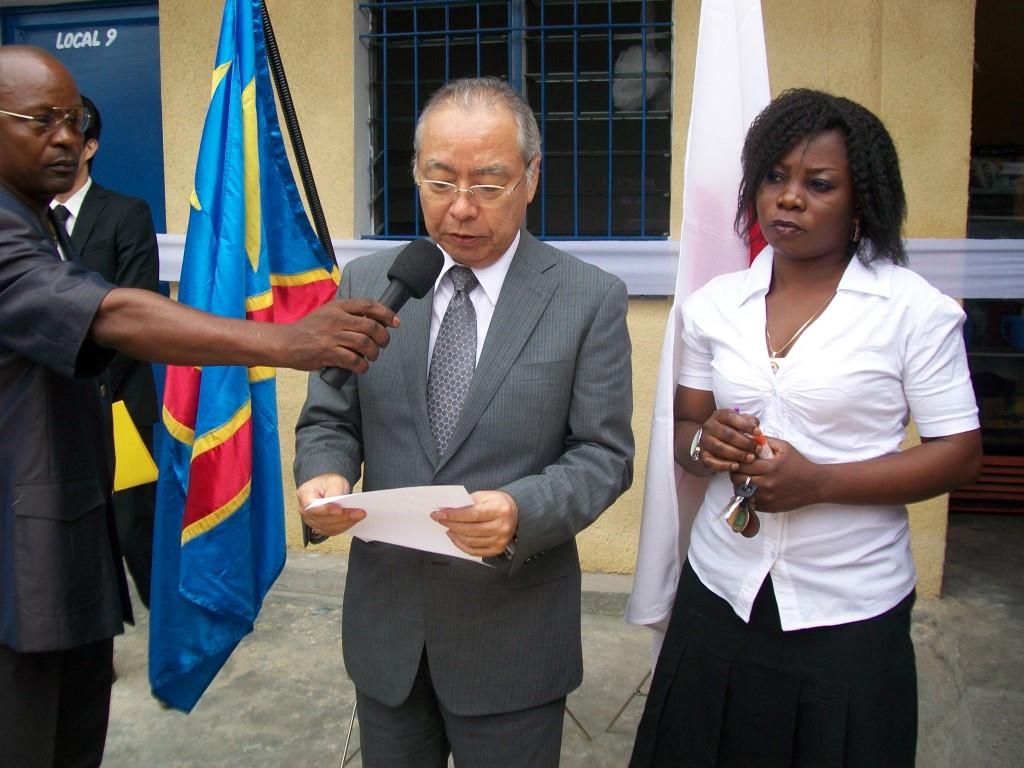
726 693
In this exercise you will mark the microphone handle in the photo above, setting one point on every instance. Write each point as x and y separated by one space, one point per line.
336 377
394 298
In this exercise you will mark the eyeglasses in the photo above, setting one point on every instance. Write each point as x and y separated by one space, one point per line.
485 195
76 118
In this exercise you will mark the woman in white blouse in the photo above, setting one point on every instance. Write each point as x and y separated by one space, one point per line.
789 643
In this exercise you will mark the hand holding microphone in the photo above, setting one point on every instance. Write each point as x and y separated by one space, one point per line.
412 275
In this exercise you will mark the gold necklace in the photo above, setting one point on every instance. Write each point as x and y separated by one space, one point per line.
773 354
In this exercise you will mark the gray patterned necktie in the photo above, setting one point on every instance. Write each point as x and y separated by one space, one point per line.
453 361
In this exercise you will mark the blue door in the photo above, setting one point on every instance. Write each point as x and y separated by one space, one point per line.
113 51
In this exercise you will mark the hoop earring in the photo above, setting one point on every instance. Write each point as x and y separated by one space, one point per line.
855 235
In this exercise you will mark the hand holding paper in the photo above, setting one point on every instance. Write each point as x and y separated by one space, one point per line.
319 514
400 516
484 529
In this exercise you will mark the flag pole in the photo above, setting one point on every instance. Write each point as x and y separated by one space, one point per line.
291 121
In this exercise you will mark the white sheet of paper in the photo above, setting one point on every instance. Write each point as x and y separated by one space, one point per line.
402 516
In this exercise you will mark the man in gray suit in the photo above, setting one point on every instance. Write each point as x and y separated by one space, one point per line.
449 656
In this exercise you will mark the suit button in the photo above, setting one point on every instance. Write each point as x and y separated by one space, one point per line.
103 390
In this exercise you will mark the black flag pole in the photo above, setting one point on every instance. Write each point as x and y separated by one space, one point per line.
291 122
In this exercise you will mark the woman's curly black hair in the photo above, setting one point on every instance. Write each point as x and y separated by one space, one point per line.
879 200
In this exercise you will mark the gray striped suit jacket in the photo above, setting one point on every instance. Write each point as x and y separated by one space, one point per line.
547 420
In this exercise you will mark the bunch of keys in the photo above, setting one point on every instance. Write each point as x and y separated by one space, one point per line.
739 512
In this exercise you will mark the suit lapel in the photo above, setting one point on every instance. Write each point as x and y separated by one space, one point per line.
88 215
412 340
524 295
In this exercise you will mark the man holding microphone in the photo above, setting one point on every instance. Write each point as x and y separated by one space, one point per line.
63 594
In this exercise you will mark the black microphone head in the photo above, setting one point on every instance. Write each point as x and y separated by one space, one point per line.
417 267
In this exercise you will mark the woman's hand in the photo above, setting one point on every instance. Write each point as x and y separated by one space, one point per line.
726 436
726 440
788 480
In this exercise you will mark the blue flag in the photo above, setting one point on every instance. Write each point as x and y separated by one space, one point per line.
250 252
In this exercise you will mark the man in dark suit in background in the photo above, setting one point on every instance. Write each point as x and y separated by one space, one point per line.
513 379
114 236
63 594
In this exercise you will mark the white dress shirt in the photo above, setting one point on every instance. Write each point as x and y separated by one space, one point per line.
484 296
887 347
74 204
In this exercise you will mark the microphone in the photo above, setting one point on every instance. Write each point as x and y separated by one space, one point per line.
411 276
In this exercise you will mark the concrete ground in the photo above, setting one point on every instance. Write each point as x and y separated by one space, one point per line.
283 698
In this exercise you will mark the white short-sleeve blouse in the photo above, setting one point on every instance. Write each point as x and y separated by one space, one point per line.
888 347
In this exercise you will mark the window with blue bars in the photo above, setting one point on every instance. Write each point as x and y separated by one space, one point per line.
596 72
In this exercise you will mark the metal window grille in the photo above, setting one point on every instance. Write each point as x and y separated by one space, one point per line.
596 72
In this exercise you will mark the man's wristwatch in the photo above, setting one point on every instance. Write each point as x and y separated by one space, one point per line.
507 555
695 450
510 548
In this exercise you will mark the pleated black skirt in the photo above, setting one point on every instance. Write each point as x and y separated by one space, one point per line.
729 694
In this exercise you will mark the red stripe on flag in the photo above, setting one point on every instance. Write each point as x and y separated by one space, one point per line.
265 315
181 393
217 475
292 302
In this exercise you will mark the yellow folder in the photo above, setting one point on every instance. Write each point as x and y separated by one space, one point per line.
132 463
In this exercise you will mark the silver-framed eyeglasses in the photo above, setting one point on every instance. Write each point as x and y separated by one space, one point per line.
486 195
77 118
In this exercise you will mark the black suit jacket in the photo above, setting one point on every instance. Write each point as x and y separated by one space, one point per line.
61 580
114 236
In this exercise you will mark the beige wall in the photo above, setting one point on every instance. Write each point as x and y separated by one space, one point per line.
315 41
908 61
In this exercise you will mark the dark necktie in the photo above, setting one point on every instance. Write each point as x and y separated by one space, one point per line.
453 361
59 216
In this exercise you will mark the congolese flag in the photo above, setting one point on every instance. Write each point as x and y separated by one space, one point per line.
249 252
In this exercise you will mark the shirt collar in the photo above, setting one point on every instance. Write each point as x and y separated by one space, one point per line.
759 276
491 277
874 279
74 203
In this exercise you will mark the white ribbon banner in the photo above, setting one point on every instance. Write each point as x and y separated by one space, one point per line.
964 269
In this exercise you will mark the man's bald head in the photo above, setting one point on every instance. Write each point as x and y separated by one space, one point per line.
35 163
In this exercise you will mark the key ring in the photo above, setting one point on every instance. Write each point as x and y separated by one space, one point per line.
739 512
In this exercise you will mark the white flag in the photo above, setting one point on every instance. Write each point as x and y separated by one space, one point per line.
730 88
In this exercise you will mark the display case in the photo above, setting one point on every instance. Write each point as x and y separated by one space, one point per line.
994 335
996 192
